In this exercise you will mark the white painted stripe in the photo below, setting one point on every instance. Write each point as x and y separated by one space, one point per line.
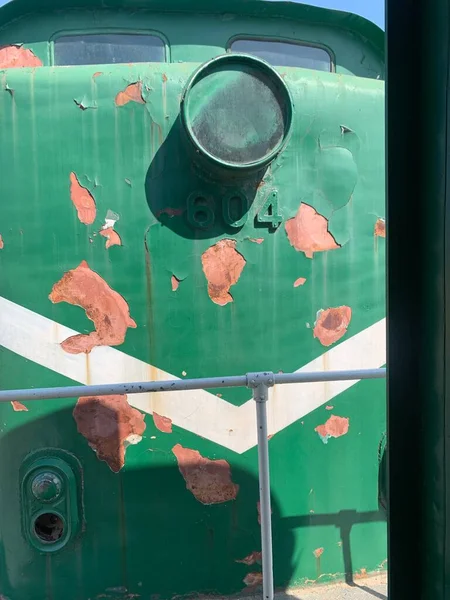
38 339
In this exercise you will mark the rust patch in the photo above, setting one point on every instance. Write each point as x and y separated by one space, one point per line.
103 306
222 266
251 559
2 244
380 228
97 74
19 407
331 324
175 283
334 427
208 480
112 237
329 407
18 56
171 212
318 552
253 579
308 232
164 78
109 424
132 93
83 201
164 424
300 281
256 240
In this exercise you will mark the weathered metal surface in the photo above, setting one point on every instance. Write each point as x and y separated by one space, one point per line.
94 157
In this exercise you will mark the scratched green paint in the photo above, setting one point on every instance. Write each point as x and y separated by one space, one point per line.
144 531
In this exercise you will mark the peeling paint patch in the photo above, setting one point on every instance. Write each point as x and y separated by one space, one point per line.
331 324
109 424
19 407
308 232
175 283
256 240
335 427
253 579
97 74
208 480
103 306
380 228
300 281
84 105
164 424
18 56
112 237
222 266
251 559
83 201
318 552
171 212
2 244
132 93
329 407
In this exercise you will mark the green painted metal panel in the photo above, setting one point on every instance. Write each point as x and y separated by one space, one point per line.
117 130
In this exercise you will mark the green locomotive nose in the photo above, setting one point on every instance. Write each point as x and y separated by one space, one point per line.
237 112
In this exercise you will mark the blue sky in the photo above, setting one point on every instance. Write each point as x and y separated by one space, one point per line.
371 9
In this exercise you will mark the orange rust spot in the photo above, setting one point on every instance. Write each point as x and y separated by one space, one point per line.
380 228
2 244
175 283
164 424
329 407
83 201
251 559
109 424
105 307
208 480
253 579
256 240
331 324
97 74
171 212
334 427
318 552
18 56
112 237
308 232
132 93
222 266
164 77
299 281
19 407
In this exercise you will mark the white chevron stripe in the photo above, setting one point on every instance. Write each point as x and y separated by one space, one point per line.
38 339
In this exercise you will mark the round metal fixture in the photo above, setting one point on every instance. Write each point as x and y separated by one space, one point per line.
237 112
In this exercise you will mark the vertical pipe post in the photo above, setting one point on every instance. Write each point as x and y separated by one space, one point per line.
260 396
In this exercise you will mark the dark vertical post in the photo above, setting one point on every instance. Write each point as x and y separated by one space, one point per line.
417 186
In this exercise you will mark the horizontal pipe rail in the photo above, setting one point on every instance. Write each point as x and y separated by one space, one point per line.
250 380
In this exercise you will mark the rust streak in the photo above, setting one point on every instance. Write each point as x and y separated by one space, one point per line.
112 237
208 480
109 424
335 427
380 228
331 324
164 424
19 407
132 93
18 56
103 306
2 244
222 266
83 201
308 232
300 281
251 559
318 552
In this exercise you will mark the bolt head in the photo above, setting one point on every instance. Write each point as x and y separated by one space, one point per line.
47 486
